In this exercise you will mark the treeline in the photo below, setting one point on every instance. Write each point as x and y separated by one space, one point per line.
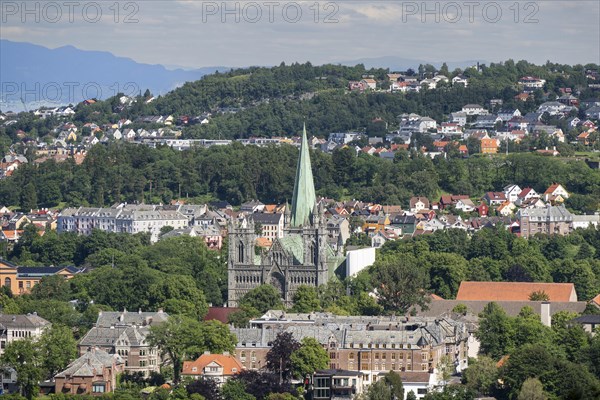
122 271
132 173
539 362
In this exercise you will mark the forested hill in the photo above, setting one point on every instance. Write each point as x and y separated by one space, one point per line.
274 101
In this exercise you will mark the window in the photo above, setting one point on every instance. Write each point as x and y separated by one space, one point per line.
393 356
194 369
351 356
7 282
421 391
98 387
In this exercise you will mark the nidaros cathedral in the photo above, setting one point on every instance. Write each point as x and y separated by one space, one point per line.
301 257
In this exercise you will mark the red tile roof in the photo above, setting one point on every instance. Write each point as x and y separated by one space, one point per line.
229 363
514 291
220 313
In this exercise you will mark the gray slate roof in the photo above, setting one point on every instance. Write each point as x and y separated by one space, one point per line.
107 319
91 364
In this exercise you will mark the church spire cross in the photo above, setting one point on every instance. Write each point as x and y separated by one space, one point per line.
304 187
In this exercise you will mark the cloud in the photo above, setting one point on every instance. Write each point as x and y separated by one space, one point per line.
182 32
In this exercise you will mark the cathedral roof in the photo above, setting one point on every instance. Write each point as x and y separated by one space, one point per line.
293 244
304 188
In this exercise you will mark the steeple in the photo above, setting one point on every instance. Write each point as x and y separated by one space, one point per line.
304 188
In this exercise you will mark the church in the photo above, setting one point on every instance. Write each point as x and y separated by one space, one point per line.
301 257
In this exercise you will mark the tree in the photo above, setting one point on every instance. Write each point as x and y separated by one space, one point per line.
306 299
235 390
481 375
57 349
446 369
532 389
23 356
262 298
207 388
411 395
311 356
378 391
539 295
261 383
180 337
400 282
495 331
279 357
393 380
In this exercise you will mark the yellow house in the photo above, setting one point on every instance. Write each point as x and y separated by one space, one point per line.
21 280
375 223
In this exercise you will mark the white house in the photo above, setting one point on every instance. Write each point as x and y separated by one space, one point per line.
460 80
474 109
512 192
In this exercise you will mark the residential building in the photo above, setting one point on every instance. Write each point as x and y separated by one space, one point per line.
489 146
17 327
417 204
216 367
271 225
125 334
511 192
124 218
94 372
371 345
494 198
335 384
474 109
555 191
554 220
532 83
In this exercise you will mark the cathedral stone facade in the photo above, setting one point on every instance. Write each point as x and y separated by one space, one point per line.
301 257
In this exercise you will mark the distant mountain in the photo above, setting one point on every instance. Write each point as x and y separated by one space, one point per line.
65 75
395 63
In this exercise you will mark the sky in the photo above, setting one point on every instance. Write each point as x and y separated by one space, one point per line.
192 33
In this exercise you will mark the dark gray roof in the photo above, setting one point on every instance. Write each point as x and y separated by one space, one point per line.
266 218
22 321
90 364
44 271
588 319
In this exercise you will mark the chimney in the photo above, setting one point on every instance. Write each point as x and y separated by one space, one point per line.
545 313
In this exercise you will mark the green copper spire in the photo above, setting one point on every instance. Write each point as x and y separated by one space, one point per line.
304 188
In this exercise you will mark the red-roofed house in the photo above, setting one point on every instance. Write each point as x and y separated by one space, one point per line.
218 367
526 194
515 291
554 191
220 313
494 198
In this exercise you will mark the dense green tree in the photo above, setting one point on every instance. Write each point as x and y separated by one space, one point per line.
401 283
235 390
57 348
482 375
495 332
309 357
23 357
532 389
262 298
306 299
